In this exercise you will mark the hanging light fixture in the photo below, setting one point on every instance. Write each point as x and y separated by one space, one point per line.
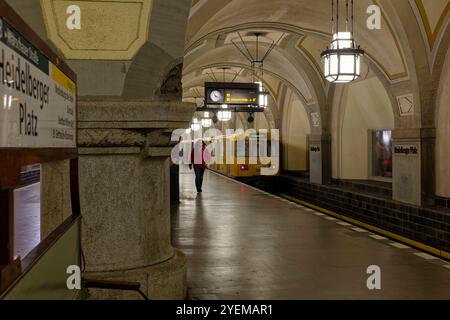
258 73
224 115
257 63
206 120
263 95
342 60
196 125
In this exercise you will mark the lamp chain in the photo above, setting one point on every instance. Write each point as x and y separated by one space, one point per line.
337 16
332 17
352 18
346 18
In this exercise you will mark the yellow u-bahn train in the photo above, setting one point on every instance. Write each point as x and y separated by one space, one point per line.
245 155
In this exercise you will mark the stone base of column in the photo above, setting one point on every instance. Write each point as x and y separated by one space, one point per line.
162 281
124 168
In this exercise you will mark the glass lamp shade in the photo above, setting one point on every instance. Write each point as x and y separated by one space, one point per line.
196 126
263 100
224 115
342 62
206 122
263 95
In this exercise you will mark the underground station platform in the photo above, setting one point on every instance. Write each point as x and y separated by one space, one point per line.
225 159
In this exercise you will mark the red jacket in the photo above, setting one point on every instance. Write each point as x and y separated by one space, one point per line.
206 158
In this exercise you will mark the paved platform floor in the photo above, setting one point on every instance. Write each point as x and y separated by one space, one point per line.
242 243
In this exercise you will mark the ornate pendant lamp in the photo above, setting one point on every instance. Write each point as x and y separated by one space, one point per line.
224 115
206 120
257 63
196 126
258 74
342 60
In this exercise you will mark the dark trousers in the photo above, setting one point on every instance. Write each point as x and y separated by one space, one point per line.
199 178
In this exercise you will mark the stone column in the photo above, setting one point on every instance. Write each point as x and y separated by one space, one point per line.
413 166
125 195
320 159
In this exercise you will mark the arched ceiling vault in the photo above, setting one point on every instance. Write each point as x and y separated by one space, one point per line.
394 53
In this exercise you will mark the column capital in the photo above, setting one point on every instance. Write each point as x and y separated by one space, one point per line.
130 124
320 138
414 134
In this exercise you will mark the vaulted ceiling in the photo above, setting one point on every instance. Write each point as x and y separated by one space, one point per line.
304 30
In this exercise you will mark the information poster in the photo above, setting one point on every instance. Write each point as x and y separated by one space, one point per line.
37 100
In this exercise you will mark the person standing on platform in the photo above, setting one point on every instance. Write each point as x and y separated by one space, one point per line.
200 158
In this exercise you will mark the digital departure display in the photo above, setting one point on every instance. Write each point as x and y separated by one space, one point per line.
235 94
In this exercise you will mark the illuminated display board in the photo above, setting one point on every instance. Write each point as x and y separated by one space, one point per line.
235 94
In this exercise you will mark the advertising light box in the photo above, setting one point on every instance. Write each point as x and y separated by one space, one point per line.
37 100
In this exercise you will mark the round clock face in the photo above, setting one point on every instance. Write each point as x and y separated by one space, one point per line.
216 96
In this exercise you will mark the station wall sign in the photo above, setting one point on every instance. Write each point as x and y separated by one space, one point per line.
231 93
406 150
37 100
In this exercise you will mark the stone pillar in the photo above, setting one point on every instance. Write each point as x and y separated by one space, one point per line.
320 159
56 204
125 195
413 166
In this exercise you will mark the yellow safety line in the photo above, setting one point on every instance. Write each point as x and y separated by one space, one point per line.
437 252
413 243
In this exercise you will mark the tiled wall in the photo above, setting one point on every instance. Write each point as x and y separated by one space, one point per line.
442 202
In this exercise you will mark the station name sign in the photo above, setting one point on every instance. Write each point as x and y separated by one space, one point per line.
406 150
231 93
37 100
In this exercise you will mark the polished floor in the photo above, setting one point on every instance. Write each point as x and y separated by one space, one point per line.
242 243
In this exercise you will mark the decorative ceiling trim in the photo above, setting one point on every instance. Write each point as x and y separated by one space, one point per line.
395 76
196 6
310 57
431 34
303 32
85 44
278 26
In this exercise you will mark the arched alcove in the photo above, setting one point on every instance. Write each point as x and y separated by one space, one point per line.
443 132
261 122
296 128
362 107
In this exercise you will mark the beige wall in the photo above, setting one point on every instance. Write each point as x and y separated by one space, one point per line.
261 121
443 133
296 129
364 106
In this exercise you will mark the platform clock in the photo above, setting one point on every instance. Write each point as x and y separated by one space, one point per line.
216 96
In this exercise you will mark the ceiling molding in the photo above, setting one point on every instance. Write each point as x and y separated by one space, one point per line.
303 32
431 38
431 34
277 26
